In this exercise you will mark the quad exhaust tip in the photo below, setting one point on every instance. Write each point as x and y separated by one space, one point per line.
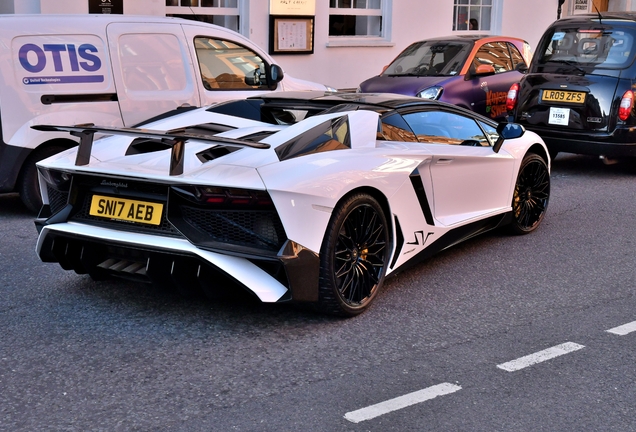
124 266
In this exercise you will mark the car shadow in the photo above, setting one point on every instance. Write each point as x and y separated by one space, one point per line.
11 205
569 163
125 298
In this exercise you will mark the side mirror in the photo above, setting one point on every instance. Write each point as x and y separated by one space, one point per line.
484 70
522 67
275 74
507 131
254 78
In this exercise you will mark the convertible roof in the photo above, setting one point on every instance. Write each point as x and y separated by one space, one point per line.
387 100
324 100
279 107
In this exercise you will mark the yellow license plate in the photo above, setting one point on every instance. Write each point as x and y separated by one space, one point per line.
126 209
563 96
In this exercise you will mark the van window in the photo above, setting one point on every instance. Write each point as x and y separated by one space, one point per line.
152 62
611 48
225 65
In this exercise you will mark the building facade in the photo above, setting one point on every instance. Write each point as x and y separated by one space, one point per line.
342 42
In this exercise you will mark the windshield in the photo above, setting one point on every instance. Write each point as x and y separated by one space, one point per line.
426 58
611 48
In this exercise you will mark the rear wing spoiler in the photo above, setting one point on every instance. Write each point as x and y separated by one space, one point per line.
175 138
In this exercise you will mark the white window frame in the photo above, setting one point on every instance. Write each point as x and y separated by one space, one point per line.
384 39
495 17
240 12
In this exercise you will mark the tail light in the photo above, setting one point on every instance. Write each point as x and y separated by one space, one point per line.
223 197
59 180
511 99
627 103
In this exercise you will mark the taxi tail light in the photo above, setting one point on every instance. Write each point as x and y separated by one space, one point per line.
511 99
626 106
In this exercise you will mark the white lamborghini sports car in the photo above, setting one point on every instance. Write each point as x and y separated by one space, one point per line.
304 197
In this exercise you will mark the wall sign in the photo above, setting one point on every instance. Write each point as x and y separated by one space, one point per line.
292 7
580 6
106 6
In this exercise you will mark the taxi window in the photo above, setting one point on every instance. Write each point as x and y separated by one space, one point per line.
611 48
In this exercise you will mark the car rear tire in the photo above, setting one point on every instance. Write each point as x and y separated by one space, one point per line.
531 194
28 185
353 257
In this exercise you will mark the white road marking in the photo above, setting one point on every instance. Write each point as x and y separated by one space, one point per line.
401 402
541 356
624 329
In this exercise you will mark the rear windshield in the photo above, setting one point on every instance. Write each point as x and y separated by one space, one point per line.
426 58
593 47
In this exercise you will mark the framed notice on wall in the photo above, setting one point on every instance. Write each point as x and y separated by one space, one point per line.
291 34
106 6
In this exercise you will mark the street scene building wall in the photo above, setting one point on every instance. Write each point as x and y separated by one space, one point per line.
345 61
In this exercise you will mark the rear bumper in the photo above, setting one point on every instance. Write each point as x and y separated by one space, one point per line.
594 148
293 275
621 143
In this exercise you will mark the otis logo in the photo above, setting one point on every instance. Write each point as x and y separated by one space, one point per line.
90 62
60 58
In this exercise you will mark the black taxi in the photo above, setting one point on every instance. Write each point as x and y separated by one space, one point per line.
578 94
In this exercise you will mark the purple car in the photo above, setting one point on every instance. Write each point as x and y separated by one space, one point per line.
472 71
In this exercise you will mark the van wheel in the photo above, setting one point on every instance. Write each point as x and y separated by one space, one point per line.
28 185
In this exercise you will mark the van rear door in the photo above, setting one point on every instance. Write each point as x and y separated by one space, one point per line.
152 69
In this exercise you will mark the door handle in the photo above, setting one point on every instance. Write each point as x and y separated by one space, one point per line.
443 161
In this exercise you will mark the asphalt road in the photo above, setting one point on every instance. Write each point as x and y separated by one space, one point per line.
431 354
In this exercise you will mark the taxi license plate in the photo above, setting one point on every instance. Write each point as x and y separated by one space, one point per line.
126 210
563 96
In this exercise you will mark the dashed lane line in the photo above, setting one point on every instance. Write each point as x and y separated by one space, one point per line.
401 402
447 388
624 329
540 356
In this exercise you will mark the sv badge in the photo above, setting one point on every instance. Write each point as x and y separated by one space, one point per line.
420 239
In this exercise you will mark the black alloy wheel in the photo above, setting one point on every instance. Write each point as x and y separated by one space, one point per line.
353 257
531 195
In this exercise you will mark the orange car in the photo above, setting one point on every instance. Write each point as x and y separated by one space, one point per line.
472 71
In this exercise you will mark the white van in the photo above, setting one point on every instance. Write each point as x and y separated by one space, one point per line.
113 70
